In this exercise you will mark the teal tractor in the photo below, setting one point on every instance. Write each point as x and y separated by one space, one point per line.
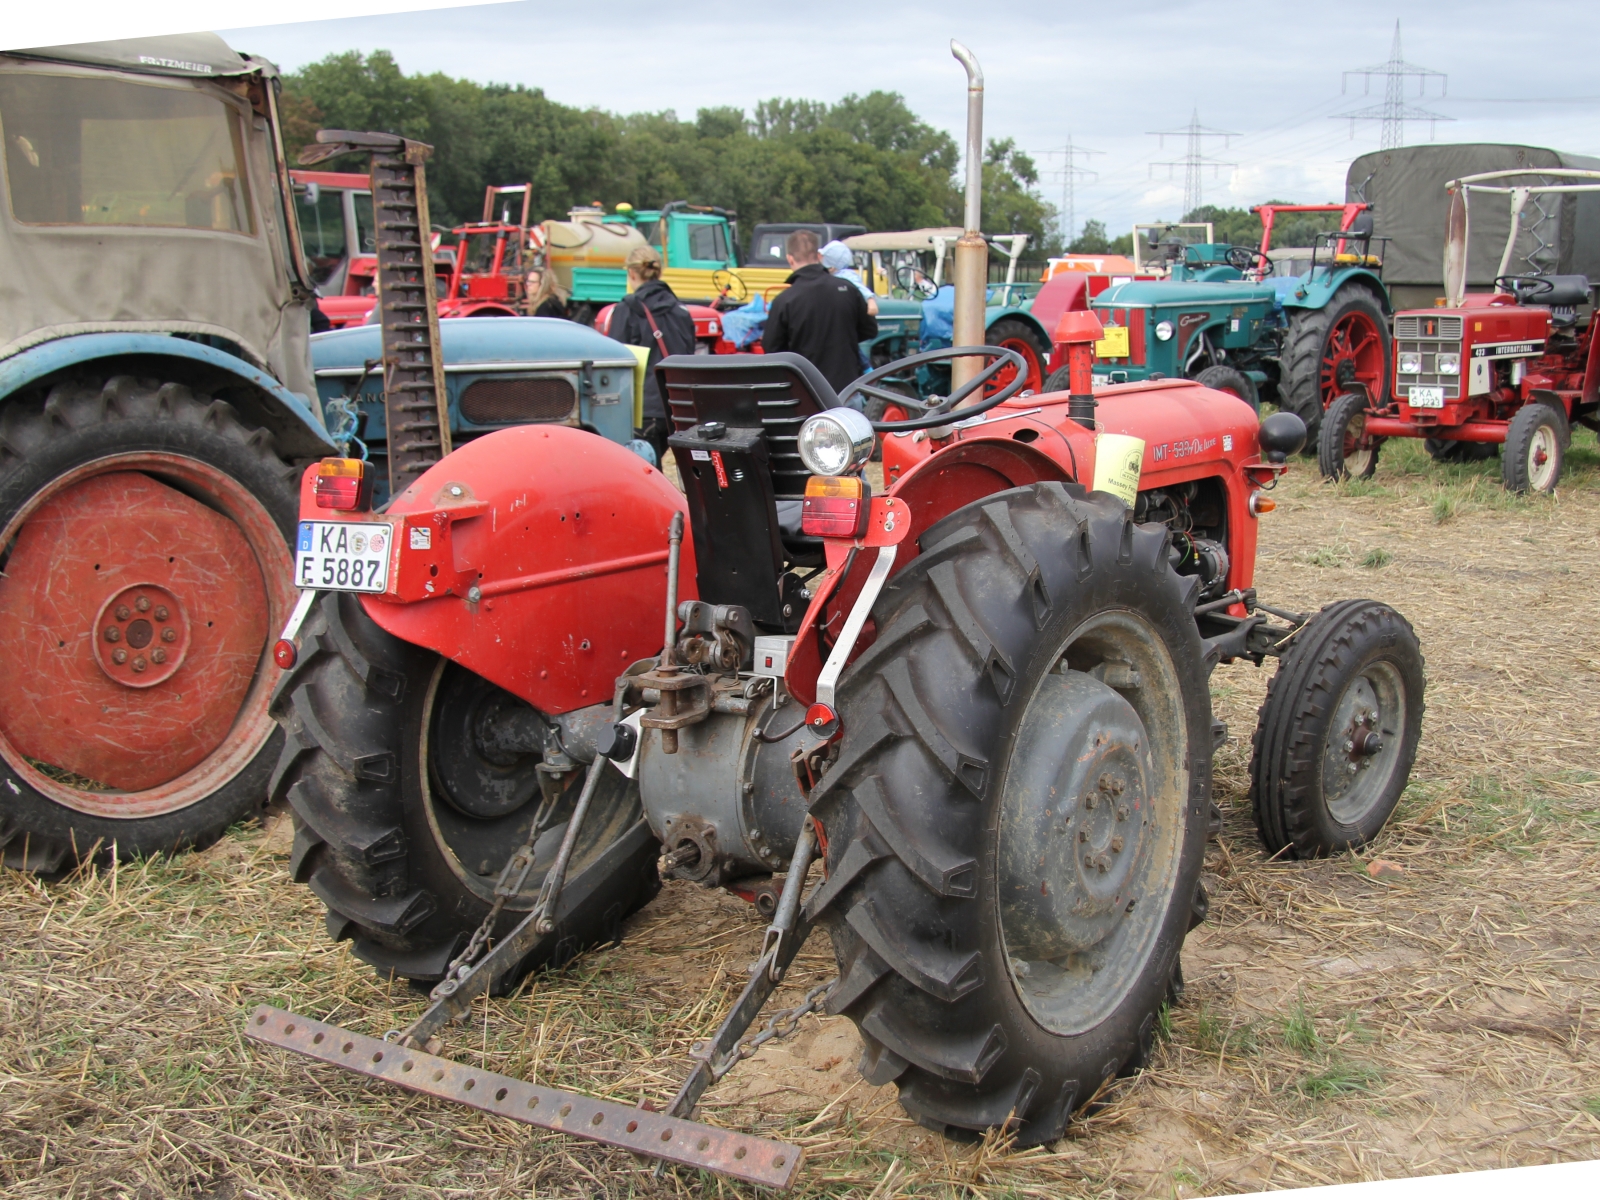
1296 327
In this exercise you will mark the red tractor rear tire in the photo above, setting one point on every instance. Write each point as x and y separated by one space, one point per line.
972 745
126 493
1331 350
406 867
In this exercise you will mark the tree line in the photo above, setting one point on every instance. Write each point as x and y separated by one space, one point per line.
1232 226
865 160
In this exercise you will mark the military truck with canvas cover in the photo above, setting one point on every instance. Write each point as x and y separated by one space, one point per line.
156 400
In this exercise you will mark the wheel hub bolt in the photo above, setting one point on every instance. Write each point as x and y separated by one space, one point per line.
158 655
161 612
1083 835
123 612
119 656
139 663
113 634
142 603
1122 812
1116 845
1091 800
169 635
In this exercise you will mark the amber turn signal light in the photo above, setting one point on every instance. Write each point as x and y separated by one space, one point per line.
1261 504
835 506
343 484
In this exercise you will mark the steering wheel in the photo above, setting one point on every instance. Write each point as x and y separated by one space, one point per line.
1532 286
939 413
729 286
914 283
1243 258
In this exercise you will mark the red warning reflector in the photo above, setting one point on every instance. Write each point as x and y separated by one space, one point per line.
285 654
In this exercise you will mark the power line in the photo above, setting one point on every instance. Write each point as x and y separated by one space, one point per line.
1070 172
1194 160
1394 112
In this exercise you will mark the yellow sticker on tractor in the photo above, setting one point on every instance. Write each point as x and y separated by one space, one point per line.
1117 459
1114 344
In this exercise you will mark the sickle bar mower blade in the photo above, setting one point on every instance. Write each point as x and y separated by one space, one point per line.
753 1159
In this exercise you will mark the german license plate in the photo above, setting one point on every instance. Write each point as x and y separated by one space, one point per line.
343 556
1426 397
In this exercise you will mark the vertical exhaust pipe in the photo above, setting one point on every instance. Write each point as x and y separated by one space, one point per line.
970 272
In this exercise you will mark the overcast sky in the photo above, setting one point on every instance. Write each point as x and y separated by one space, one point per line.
1105 75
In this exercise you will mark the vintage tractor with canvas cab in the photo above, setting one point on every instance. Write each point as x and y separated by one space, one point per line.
981 699
156 404
1515 367
1232 317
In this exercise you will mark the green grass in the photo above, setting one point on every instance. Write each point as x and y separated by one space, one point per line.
1300 1031
1339 1077
1377 557
1592 1106
1327 556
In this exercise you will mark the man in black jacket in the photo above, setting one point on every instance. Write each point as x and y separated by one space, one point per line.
819 316
650 315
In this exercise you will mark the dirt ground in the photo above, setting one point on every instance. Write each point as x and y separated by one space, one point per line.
1337 1027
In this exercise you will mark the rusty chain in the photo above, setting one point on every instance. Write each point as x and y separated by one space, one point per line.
779 1026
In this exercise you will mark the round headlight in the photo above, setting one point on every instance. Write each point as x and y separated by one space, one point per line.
1411 364
1449 364
835 442
1164 331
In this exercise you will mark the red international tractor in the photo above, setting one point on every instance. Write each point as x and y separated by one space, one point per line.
1516 366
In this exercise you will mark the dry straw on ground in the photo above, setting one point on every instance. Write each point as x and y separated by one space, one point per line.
1337 1027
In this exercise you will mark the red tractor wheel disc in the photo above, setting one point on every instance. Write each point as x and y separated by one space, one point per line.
136 608
1030 355
1352 354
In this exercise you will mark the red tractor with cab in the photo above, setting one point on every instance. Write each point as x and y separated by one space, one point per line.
1516 367
981 698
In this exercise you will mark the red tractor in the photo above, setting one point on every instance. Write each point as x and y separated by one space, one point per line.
981 698
1516 366
488 275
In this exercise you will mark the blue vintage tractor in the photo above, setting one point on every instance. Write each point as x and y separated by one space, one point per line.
1295 327
508 371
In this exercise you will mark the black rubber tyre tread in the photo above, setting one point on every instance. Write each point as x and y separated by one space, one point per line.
75 420
928 713
1514 459
1010 327
1330 438
351 709
1300 390
1285 763
1232 380
1059 380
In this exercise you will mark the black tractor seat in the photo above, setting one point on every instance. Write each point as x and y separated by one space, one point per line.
1566 291
735 438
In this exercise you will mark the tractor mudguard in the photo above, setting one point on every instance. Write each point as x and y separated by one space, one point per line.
1318 291
295 424
535 557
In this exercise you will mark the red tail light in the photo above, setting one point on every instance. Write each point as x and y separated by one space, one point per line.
835 506
285 654
344 484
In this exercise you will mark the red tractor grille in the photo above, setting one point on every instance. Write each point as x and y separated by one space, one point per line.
519 401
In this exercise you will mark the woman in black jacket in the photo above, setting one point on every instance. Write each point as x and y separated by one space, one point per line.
650 315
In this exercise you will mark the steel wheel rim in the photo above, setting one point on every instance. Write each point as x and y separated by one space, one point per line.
1354 339
1543 458
1030 355
1131 892
1358 447
505 834
210 758
1354 782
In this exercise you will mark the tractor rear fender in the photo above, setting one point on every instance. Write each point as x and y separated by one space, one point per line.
1320 291
261 401
1015 313
987 459
534 556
